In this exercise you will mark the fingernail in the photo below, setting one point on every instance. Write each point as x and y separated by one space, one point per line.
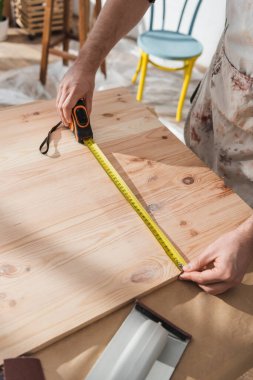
187 267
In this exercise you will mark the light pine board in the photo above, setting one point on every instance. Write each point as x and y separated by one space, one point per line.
72 250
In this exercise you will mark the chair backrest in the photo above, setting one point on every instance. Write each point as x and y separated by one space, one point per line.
186 4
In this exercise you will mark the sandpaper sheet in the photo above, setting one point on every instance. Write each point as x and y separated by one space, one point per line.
23 369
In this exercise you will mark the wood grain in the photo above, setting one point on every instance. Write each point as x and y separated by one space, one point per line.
72 250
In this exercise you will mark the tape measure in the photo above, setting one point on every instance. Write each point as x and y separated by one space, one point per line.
82 130
118 181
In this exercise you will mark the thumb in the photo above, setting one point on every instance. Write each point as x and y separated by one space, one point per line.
199 262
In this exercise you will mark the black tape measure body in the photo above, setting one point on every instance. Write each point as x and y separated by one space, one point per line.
80 125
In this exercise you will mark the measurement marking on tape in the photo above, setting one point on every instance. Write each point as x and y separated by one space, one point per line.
162 239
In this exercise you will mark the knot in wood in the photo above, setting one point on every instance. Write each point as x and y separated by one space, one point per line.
188 180
143 275
107 114
153 207
7 270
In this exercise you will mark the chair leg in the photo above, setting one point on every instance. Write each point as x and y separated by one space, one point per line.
84 17
144 64
187 78
97 10
46 39
135 76
66 28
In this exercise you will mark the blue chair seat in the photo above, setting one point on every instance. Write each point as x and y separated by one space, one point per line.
169 45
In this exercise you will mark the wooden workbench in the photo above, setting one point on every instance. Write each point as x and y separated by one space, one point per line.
72 250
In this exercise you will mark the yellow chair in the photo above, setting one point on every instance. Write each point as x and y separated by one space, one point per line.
172 45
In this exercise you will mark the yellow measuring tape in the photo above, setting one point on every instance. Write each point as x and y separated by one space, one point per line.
81 127
162 239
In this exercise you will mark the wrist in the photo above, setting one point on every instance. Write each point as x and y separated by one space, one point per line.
245 231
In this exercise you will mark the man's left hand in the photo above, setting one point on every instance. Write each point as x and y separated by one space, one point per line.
223 264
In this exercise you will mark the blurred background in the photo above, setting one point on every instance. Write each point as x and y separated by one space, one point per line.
21 33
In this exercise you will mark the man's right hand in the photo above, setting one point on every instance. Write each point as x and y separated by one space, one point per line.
115 20
77 83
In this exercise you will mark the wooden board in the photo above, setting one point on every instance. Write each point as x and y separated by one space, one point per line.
72 249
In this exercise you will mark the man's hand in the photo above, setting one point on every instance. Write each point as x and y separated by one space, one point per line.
223 264
77 83
115 20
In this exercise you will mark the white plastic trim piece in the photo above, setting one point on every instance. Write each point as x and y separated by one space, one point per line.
140 353
140 350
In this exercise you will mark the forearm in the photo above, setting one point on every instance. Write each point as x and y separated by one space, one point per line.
116 19
246 231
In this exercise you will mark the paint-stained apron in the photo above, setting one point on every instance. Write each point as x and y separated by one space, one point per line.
219 127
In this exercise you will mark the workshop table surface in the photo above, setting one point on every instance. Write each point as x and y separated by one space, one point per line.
221 327
72 250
